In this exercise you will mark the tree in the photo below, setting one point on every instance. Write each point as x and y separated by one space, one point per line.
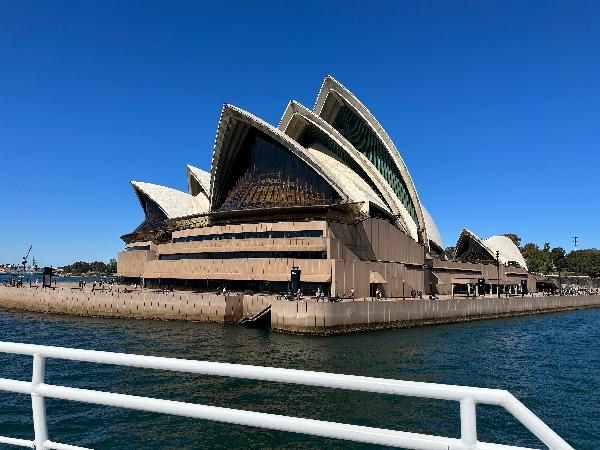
82 267
558 258
533 256
584 262
515 238
546 265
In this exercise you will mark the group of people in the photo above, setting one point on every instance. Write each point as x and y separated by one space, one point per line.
414 294
100 285
13 282
320 294
577 290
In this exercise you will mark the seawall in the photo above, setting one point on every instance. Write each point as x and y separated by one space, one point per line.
136 305
305 316
328 318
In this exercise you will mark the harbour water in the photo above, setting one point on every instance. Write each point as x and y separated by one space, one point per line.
550 362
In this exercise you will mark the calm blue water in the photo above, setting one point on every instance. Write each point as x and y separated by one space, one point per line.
38 277
550 362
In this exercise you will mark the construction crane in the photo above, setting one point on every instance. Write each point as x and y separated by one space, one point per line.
26 257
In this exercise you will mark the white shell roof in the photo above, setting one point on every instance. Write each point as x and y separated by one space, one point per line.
355 188
202 177
432 230
172 202
295 109
331 85
233 113
506 248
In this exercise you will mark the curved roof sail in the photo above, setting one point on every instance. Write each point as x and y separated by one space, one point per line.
198 181
307 128
245 141
432 231
354 187
171 202
340 108
508 253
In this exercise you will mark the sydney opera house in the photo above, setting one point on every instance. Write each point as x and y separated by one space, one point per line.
327 192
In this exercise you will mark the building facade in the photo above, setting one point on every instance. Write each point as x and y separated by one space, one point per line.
326 191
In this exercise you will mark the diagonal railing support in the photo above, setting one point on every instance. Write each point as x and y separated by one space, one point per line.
38 404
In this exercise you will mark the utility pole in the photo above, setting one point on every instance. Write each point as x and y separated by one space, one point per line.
574 248
498 266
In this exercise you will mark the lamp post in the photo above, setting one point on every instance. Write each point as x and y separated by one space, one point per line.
498 266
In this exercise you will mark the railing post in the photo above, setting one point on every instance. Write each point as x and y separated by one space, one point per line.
38 404
468 421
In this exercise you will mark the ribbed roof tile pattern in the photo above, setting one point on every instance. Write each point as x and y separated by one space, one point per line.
172 202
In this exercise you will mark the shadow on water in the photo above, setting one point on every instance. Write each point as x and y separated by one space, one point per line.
550 362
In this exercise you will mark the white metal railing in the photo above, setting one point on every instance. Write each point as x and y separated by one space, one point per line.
468 397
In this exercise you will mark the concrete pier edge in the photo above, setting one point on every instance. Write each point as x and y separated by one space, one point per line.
297 317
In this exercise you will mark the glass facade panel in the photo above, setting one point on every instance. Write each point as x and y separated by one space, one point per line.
138 248
252 235
243 255
267 174
356 131
154 217
312 134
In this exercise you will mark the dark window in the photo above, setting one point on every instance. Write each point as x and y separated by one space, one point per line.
312 134
243 255
137 248
267 174
356 131
154 219
252 235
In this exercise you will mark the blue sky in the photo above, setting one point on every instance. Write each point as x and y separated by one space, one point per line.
494 106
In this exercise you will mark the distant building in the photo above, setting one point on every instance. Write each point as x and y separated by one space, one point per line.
326 191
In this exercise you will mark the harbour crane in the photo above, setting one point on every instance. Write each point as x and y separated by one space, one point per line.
26 257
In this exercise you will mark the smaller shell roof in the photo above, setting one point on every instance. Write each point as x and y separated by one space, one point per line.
432 230
172 202
202 177
506 248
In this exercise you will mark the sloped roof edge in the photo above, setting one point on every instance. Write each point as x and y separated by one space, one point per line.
172 202
231 112
506 248
330 84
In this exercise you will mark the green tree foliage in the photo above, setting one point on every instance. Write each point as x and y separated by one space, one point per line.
551 260
584 262
82 267
533 257
558 256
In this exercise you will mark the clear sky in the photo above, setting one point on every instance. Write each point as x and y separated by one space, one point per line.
494 106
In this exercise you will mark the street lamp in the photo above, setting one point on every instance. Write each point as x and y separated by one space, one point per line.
498 266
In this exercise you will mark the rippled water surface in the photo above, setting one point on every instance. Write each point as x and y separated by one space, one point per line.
550 362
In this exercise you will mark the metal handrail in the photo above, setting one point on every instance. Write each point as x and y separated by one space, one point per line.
468 397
